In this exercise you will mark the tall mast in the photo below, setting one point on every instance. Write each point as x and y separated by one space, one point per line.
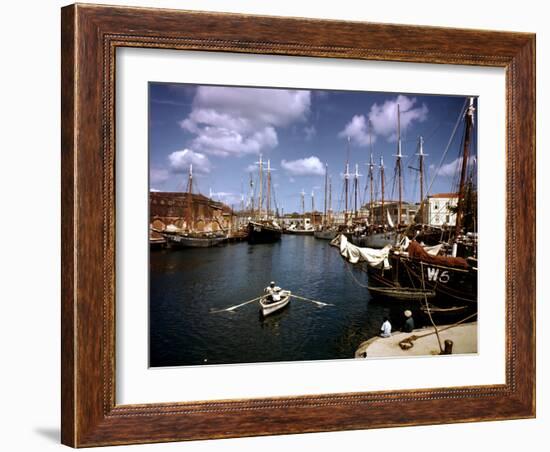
356 187
346 183
371 177
399 156
382 185
465 156
325 207
251 198
189 199
260 188
313 207
330 198
268 187
303 194
421 156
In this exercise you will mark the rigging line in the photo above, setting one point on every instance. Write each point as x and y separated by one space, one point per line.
409 274
428 309
446 328
353 276
451 139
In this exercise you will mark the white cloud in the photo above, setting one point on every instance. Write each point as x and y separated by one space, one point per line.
154 190
452 168
181 160
310 166
240 121
357 130
384 117
227 197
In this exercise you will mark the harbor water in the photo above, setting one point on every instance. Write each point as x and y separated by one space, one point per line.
186 285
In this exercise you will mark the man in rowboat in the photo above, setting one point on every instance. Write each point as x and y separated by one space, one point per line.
274 292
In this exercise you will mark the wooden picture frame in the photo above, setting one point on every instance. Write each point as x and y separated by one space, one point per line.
90 36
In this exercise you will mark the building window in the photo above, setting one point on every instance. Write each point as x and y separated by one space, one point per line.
447 219
436 206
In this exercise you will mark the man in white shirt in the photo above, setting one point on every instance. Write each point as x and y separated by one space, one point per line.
273 291
385 329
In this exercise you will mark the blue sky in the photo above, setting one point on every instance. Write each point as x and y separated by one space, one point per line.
222 131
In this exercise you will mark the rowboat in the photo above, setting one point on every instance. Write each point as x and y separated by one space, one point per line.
269 307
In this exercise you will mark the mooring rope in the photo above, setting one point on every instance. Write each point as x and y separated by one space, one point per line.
353 276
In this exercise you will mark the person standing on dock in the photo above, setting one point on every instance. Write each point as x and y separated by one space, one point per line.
385 329
408 326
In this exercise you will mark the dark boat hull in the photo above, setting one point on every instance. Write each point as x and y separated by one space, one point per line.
449 284
299 231
181 241
261 233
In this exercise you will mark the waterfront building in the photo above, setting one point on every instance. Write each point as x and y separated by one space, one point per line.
408 212
440 209
170 208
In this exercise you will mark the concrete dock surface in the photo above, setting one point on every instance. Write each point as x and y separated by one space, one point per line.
463 336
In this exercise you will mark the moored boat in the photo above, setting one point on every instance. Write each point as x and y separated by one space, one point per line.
269 307
326 234
450 279
299 231
263 232
376 239
263 228
189 236
195 240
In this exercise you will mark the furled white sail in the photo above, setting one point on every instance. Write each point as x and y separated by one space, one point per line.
390 223
355 254
433 250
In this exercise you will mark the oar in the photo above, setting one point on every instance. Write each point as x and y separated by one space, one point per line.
232 308
319 303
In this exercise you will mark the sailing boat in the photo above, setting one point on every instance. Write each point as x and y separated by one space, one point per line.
379 236
414 270
189 237
263 229
305 228
327 231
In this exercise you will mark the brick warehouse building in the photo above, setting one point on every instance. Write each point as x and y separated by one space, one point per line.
167 208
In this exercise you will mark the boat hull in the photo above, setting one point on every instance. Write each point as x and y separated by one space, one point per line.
326 235
447 283
377 240
299 231
182 241
267 308
261 233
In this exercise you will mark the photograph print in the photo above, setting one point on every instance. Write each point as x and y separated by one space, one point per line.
299 225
